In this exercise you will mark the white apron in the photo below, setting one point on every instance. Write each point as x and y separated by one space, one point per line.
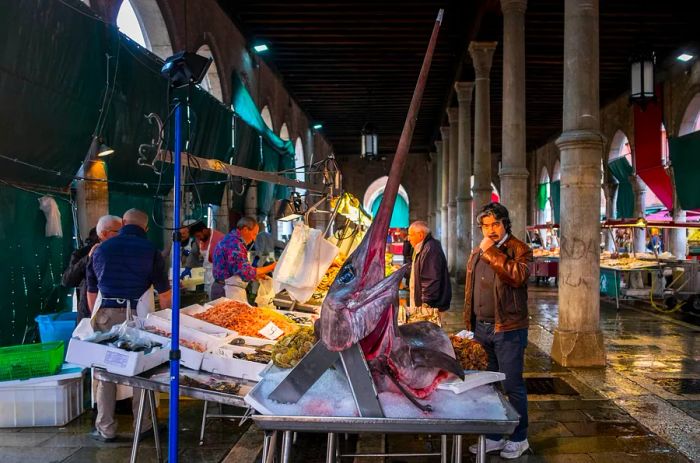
234 288
144 306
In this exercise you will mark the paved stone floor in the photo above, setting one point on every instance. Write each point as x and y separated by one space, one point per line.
644 406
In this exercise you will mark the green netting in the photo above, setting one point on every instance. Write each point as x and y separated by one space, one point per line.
399 216
685 158
31 264
120 202
542 195
621 170
555 191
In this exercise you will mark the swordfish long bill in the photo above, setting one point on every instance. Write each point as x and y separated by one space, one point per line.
357 299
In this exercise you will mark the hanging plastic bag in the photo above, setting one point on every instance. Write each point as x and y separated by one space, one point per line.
303 263
266 293
53 216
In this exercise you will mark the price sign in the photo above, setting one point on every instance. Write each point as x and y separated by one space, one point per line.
271 331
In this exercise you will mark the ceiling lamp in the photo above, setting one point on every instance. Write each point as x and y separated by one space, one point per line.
642 78
370 145
317 126
684 57
261 47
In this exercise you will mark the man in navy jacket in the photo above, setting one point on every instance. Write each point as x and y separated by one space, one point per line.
430 280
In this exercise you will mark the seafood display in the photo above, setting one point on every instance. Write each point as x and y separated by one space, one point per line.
419 314
196 346
470 353
291 348
227 387
262 354
245 319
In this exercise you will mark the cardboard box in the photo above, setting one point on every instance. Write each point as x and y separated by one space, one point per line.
119 361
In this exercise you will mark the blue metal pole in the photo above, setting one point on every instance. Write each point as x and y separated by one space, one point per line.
175 328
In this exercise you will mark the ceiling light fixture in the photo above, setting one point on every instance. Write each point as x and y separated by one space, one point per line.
317 126
261 47
684 57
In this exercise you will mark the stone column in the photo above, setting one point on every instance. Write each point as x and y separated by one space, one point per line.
609 188
453 119
430 168
464 92
513 172
679 236
437 196
482 56
640 190
444 186
578 340
92 197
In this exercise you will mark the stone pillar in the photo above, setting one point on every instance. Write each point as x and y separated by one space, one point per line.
464 92
430 168
609 188
578 340
437 196
453 119
640 190
482 56
444 186
679 236
513 172
92 197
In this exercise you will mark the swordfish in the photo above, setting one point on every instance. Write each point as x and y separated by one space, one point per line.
361 305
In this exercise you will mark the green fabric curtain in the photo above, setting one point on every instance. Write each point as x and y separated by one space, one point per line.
400 214
120 202
555 192
245 108
621 170
542 195
31 264
685 158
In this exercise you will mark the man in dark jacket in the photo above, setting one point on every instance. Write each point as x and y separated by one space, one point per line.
430 281
495 308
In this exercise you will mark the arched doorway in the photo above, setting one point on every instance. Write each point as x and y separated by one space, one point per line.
211 82
373 197
143 22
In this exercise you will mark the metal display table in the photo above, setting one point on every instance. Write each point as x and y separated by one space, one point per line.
614 289
335 425
158 379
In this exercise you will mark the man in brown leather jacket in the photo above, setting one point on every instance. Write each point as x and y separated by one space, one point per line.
495 308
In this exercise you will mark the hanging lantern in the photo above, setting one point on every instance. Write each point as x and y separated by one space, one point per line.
642 78
370 147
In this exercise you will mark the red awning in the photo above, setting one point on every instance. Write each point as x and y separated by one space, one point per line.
659 182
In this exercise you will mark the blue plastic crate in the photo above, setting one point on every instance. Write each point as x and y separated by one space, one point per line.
57 326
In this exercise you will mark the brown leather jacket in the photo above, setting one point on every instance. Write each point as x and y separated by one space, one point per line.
510 264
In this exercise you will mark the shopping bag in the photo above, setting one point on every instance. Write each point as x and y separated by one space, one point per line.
266 293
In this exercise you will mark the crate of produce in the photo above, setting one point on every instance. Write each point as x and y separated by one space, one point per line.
56 326
30 360
53 402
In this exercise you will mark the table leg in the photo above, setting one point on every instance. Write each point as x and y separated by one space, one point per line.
458 448
137 431
482 449
154 420
286 446
266 445
443 448
330 450
204 422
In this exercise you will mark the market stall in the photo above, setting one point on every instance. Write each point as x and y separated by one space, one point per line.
544 240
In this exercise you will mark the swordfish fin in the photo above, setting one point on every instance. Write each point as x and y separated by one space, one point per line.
429 358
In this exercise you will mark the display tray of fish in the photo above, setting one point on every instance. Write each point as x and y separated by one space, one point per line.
211 384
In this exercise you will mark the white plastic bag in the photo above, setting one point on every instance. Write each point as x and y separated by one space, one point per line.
53 216
303 263
266 293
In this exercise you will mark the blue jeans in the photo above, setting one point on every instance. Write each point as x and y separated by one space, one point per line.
506 351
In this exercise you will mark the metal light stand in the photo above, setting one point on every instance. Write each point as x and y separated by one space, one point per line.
173 424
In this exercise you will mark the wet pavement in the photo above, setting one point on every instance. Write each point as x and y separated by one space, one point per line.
644 406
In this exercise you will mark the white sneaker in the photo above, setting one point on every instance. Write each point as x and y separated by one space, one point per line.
514 449
491 446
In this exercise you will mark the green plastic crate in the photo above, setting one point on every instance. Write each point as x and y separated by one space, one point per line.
31 360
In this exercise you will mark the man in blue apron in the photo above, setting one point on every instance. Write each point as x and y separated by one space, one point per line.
232 269
120 277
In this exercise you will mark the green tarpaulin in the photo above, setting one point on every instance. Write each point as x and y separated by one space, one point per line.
31 264
685 158
621 170
542 195
555 191
399 216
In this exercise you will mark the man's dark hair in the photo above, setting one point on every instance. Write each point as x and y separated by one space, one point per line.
196 227
496 210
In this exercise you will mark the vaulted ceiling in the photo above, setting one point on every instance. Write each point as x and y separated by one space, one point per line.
351 62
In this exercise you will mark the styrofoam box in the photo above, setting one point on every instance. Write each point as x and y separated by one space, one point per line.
190 311
190 358
221 361
119 361
199 325
47 403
